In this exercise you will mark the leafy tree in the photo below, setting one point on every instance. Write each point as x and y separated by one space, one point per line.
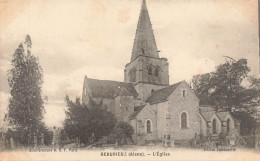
255 83
123 132
82 122
74 116
48 137
255 89
224 87
25 110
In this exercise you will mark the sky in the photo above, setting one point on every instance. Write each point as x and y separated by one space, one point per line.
74 38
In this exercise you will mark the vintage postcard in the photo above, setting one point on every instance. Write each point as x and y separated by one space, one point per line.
129 80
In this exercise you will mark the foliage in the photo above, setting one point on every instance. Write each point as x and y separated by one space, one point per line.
234 135
255 88
81 122
25 78
110 139
48 137
255 83
63 135
122 133
224 87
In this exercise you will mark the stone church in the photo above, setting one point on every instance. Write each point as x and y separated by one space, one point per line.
148 102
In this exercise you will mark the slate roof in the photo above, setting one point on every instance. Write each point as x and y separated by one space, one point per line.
122 92
144 33
162 94
206 108
223 115
109 89
137 110
208 115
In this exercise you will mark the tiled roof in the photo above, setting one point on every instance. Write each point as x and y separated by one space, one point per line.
162 94
109 89
137 110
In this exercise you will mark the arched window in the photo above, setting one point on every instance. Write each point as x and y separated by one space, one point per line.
148 126
150 71
183 120
214 125
152 91
228 125
156 72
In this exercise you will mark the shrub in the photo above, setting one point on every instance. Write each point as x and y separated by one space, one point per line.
121 134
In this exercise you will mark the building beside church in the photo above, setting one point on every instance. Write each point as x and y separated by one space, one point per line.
149 103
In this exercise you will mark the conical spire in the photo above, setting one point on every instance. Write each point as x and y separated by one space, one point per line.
144 43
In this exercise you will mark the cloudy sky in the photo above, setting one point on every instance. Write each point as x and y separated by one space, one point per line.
74 38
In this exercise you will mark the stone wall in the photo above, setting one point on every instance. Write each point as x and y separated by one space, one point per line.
142 63
203 126
188 104
162 110
147 113
171 110
224 124
124 107
144 82
218 123
145 90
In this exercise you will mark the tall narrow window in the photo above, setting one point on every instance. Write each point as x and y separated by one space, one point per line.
150 71
148 126
183 93
143 51
156 72
132 74
183 120
214 126
228 125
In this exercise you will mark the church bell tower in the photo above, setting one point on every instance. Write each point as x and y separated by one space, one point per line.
146 70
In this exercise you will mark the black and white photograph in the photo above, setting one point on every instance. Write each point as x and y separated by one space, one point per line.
129 80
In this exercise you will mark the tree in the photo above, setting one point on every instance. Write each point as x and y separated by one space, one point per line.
224 87
25 110
255 90
123 131
122 134
82 122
